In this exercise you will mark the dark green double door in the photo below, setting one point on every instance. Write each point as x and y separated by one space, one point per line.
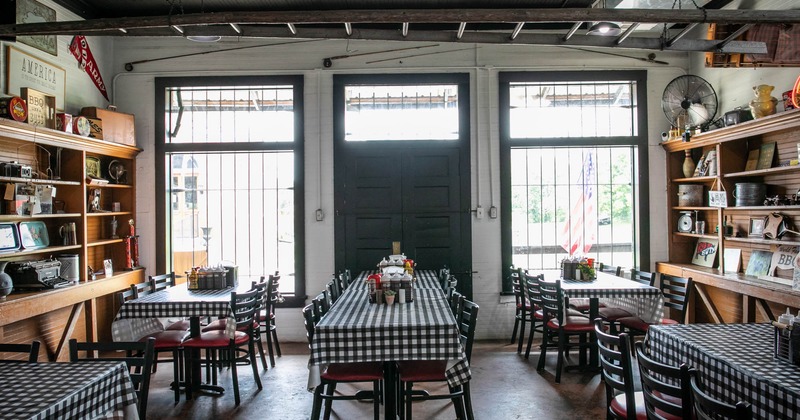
418 195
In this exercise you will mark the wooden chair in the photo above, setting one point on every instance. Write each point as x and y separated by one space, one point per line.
456 303
707 407
536 314
32 350
410 372
622 401
244 306
268 325
610 269
142 289
138 357
345 279
336 373
334 290
321 305
560 326
676 291
664 396
165 341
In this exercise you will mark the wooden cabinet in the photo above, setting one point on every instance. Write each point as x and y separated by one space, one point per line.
730 296
52 315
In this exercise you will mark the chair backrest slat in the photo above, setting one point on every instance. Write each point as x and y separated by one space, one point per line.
552 300
467 322
533 289
643 277
31 350
610 269
162 281
676 291
142 289
708 408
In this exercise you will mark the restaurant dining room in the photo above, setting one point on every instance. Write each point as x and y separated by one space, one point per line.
397 209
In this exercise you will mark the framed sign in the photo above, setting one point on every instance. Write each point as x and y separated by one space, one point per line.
26 71
41 108
31 11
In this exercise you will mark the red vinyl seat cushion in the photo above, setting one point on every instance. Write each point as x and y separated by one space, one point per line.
167 339
636 323
216 338
613 314
422 370
181 325
582 304
221 324
353 372
619 407
572 324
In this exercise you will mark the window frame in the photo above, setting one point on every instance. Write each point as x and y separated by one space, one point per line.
640 141
162 149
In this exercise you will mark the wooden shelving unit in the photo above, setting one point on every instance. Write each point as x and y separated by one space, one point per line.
720 296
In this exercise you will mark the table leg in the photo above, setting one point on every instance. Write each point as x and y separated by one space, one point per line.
195 376
594 310
390 390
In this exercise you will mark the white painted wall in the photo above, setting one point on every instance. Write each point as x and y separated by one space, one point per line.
133 92
81 91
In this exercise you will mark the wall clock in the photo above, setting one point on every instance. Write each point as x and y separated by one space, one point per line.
685 222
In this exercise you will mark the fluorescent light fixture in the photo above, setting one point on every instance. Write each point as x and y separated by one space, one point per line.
204 38
177 29
236 28
348 27
292 29
123 30
405 29
461 27
605 29
517 29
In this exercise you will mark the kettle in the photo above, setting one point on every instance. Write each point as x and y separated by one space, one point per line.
6 285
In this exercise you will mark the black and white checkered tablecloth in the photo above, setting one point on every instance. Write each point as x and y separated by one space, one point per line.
642 300
735 363
138 318
64 390
356 331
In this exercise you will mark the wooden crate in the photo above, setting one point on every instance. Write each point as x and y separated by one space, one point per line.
117 126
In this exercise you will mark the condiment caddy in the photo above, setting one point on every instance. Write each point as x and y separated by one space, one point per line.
396 279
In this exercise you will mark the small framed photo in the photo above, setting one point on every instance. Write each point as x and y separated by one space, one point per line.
108 266
756 227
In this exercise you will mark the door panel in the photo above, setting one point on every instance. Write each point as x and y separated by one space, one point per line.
372 182
431 180
369 238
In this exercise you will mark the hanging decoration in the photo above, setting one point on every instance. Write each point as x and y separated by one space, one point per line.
79 47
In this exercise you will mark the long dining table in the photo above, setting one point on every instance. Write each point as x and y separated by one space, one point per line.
354 330
79 390
735 362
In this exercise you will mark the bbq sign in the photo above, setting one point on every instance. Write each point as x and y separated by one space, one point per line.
79 47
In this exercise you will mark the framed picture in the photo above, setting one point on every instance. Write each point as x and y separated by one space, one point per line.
24 70
766 156
108 266
705 253
31 11
759 263
756 227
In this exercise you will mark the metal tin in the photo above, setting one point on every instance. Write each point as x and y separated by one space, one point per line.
690 195
750 193
80 125
737 116
14 108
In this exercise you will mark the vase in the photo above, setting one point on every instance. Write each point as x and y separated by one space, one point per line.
688 165
764 103
389 299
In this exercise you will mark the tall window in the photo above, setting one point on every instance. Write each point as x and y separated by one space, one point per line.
232 171
571 152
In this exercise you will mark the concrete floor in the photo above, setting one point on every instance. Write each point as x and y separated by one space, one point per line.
504 386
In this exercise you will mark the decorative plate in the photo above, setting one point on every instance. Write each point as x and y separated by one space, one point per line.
33 235
93 167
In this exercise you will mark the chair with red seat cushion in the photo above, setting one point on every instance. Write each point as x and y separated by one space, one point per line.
676 291
165 281
244 306
707 407
411 372
340 373
560 326
523 307
612 315
622 401
267 320
665 397
536 314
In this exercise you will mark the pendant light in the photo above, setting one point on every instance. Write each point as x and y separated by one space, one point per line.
604 28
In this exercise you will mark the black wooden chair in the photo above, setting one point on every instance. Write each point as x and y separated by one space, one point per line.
268 321
334 289
336 373
622 401
138 357
165 281
345 279
612 315
536 314
410 372
561 326
707 407
523 307
664 396
31 350
241 347
456 302
676 291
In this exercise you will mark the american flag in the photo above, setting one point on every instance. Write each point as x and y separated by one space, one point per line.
579 232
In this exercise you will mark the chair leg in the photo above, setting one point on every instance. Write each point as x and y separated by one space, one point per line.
561 345
187 366
530 339
468 401
376 399
175 374
408 399
270 347
543 353
261 350
235 377
317 406
514 331
253 362
522 321
458 403
276 342
328 401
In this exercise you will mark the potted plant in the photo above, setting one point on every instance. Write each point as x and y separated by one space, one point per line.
389 296
586 270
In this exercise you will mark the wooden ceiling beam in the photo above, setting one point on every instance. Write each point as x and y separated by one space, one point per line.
411 16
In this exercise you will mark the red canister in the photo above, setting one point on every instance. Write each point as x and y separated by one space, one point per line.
14 108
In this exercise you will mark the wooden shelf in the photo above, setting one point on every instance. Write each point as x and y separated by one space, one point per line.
686 208
38 181
761 208
763 172
31 134
105 242
695 235
111 186
45 250
694 179
15 218
109 213
761 241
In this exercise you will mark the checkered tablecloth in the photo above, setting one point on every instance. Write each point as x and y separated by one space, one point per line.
138 318
642 300
735 363
81 390
356 331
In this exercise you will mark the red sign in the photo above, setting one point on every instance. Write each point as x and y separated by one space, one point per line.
79 48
